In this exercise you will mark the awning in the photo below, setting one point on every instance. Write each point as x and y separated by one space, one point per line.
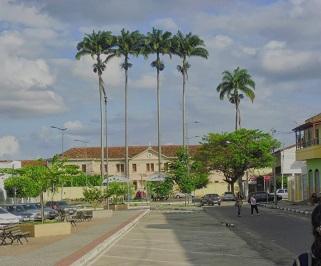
157 177
115 179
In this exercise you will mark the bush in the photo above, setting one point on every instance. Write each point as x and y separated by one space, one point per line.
94 196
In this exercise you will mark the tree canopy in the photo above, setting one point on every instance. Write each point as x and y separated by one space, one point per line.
233 153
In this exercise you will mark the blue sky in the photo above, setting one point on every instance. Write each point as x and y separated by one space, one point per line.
41 84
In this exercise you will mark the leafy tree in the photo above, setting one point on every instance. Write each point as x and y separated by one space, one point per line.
233 153
117 191
93 195
160 189
128 43
100 46
234 86
186 46
159 43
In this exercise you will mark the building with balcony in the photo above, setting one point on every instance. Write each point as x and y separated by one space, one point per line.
308 148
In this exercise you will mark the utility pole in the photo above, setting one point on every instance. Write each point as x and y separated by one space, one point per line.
273 131
86 155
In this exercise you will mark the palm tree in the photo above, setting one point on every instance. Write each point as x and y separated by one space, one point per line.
234 86
99 45
186 46
159 43
128 43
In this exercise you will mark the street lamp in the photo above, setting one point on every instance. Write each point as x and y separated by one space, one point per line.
62 130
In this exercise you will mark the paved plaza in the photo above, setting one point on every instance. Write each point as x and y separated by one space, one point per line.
180 238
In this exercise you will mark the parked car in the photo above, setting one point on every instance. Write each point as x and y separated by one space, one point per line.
18 210
61 205
180 195
228 196
211 199
8 218
282 192
49 213
264 196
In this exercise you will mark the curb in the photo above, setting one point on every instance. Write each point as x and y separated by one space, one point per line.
303 212
89 252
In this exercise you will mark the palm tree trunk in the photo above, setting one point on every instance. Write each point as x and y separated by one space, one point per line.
158 119
236 117
101 128
183 103
239 112
106 143
126 129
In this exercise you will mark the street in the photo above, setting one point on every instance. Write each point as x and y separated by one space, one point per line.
276 235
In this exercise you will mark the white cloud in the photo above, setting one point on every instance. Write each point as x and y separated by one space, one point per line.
73 125
219 42
165 24
9 146
25 15
146 81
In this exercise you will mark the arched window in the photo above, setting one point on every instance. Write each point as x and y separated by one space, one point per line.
310 180
317 180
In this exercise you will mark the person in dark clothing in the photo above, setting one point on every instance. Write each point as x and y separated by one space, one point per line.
313 257
253 204
238 203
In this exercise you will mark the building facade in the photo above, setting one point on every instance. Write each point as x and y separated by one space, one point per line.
143 163
291 172
308 149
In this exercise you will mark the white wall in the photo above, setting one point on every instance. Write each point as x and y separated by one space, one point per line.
289 165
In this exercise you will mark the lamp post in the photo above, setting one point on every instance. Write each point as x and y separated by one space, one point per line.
62 130
86 155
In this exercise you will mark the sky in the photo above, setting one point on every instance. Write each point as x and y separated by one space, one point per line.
43 85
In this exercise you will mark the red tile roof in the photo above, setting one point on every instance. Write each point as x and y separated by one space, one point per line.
25 163
119 152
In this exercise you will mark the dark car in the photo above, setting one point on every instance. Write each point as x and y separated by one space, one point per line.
211 199
264 197
19 210
61 206
228 196
49 213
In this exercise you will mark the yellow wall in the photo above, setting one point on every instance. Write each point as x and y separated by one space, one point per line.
309 153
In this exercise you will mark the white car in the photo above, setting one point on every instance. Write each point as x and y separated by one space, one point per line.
8 218
282 192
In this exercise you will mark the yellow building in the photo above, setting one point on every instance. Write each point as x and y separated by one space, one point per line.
308 148
143 163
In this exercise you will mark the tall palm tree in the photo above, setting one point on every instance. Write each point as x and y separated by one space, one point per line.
234 87
159 43
100 46
186 46
128 43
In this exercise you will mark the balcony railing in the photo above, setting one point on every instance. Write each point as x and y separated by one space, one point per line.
301 144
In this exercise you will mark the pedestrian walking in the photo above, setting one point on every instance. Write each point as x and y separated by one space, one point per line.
238 203
312 257
253 204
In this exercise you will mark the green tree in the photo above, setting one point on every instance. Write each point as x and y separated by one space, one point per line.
100 46
186 46
159 43
160 189
234 86
233 153
128 43
93 195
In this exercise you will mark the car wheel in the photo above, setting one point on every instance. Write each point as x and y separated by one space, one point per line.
219 204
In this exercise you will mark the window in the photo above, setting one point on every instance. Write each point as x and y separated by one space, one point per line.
165 166
106 170
134 167
147 167
120 167
83 168
152 167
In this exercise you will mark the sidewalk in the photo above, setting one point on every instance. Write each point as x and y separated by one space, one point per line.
297 208
176 237
64 250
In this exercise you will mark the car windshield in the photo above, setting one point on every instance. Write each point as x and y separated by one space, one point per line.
228 193
2 211
30 207
213 195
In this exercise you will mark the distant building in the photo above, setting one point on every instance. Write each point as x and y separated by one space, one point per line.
308 149
290 171
143 160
